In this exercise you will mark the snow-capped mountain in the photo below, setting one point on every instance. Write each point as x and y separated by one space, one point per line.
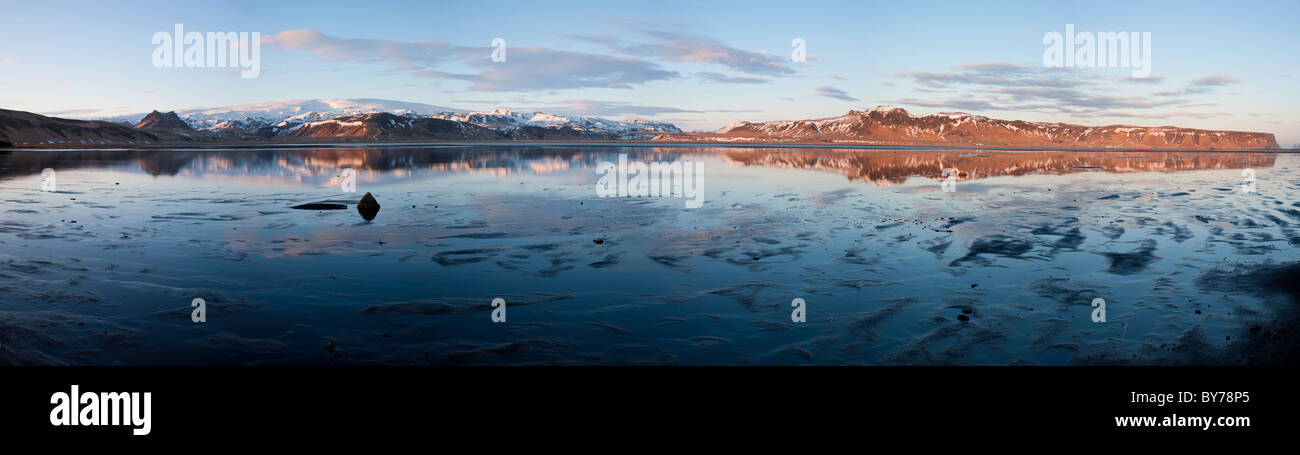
275 118
504 120
258 115
474 126
385 126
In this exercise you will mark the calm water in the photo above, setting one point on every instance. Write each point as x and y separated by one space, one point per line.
893 269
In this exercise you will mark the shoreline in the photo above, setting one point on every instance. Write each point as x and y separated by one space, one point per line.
603 143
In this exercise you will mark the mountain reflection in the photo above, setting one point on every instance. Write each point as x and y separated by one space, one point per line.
318 166
888 167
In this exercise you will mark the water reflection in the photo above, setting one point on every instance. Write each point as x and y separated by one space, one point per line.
896 271
323 166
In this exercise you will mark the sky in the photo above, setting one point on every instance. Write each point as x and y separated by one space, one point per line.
700 65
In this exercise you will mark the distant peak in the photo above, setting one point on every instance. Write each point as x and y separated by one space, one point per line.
168 120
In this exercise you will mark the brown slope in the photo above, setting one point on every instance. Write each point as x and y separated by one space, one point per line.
25 128
886 125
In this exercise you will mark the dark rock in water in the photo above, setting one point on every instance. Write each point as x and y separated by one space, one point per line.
598 241
368 207
319 206
368 202
963 318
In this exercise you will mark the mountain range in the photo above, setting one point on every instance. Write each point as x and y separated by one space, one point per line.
889 125
340 117
387 120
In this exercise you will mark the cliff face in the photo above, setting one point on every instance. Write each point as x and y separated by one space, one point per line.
888 125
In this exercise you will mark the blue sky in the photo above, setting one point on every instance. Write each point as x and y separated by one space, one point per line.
1220 65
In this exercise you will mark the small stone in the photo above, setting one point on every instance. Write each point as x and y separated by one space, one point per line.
368 207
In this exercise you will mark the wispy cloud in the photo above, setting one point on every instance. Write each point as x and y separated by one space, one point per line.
590 107
1000 86
634 62
1145 80
1198 115
682 46
1202 85
70 112
400 55
608 108
832 92
525 69
1216 80
994 74
539 68
724 79
962 104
